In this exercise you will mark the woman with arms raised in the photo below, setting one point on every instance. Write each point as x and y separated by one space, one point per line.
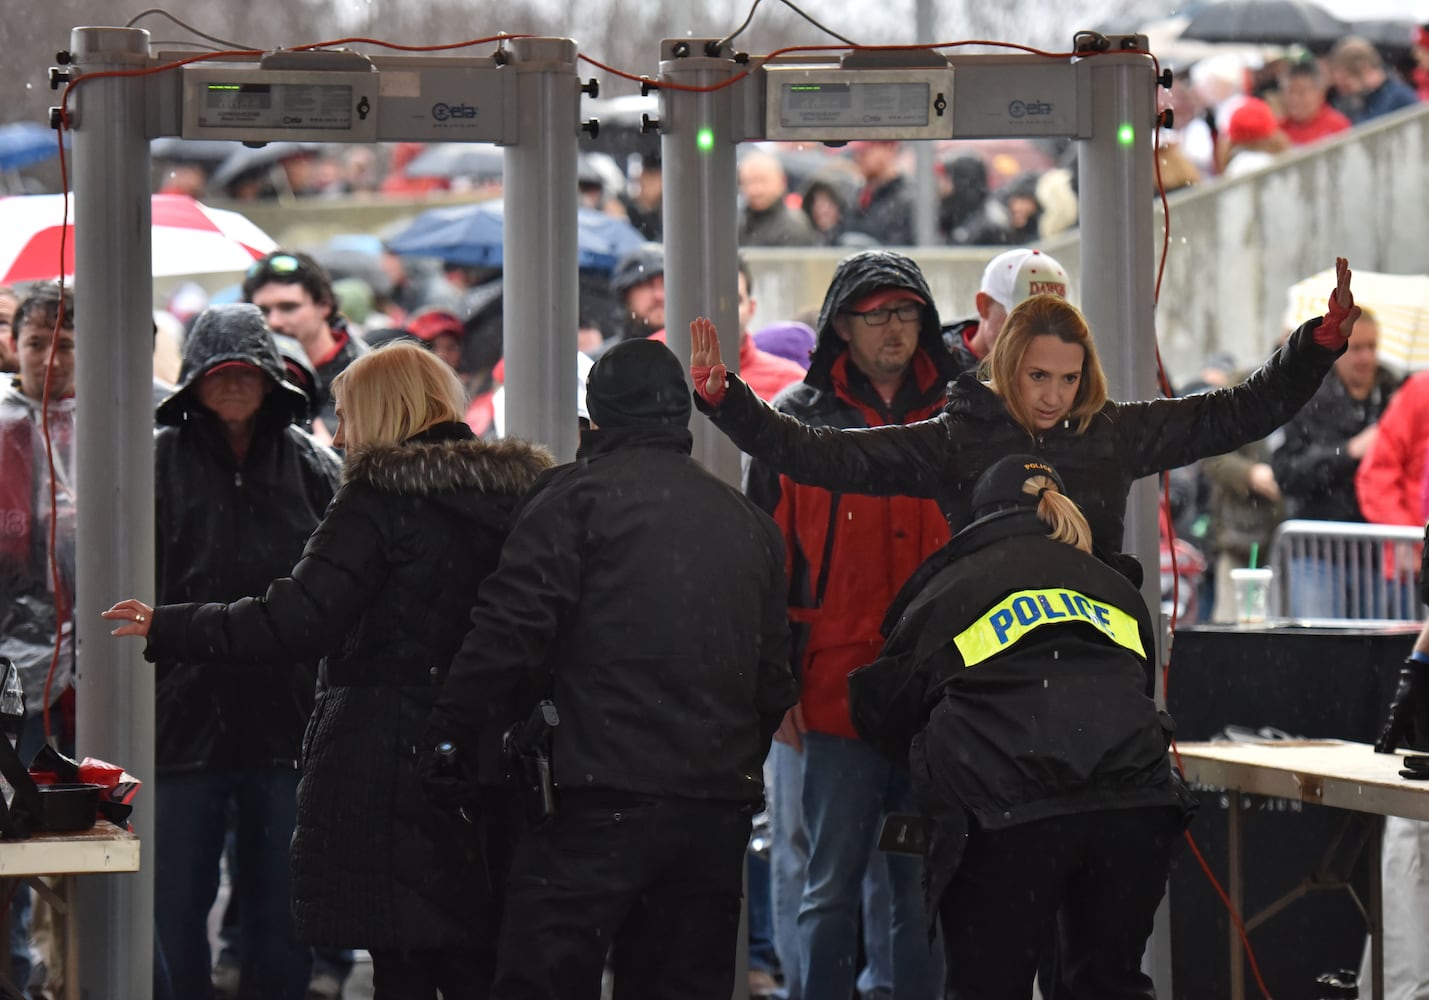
1041 390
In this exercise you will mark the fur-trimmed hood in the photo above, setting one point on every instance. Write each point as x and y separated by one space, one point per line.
429 468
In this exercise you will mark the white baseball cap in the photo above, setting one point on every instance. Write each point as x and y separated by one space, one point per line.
1019 274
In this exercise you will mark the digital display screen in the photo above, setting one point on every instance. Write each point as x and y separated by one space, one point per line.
297 106
855 105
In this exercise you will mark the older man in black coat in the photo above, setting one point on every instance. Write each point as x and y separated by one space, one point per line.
652 596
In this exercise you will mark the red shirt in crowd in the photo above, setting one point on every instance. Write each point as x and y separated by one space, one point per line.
1326 123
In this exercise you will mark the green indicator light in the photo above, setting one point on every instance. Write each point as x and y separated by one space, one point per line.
223 86
704 139
1126 135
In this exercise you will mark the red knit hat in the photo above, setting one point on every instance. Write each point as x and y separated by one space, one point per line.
1251 121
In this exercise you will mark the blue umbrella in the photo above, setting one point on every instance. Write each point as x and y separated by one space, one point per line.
23 144
470 236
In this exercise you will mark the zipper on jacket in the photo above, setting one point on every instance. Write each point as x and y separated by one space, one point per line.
238 478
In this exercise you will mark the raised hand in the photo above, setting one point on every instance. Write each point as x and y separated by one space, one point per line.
135 615
1334 331
707 371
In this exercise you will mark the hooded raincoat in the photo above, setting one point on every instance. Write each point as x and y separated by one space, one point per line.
848 554
223 529
31 606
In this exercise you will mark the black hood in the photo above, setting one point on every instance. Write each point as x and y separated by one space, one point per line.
234 332
856 276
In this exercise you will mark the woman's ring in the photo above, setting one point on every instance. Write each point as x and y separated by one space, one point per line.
139 619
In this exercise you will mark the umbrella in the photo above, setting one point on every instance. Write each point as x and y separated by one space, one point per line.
24 144
470 236
188 238
1266 22
210 151
246 159
478 161
1400 303
1393 38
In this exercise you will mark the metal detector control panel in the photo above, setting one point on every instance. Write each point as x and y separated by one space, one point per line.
239 103
832 103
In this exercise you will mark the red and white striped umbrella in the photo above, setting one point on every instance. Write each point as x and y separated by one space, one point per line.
188 238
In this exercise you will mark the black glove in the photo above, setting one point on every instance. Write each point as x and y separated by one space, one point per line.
447 776
1408 721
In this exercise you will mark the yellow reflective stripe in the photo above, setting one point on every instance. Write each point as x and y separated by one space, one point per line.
1016 615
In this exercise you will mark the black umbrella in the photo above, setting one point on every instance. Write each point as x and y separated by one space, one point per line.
1392 38
209 151
245 159
1266 22
476 160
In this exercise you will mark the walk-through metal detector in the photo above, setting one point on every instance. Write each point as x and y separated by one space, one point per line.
1104 96
525 98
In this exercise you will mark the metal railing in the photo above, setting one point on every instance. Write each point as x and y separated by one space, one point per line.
1335 572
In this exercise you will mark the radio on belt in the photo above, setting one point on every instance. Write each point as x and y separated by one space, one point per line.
834 103
250 104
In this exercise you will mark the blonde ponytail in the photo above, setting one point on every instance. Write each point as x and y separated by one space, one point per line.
1060 512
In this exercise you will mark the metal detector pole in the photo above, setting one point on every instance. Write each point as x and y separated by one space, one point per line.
925 191
539 307
697 145
115 457
1119 261
1118 298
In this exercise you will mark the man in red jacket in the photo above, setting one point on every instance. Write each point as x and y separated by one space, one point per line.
880 359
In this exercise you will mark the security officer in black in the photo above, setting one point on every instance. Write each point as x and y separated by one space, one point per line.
649 595
1016 684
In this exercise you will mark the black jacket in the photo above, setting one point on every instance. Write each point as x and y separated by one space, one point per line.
223 530
652 596
885 213
383 589
1018 676
955 336
1315 472
776 226
942 458
350 348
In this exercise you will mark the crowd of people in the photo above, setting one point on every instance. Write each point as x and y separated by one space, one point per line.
367 598
506 725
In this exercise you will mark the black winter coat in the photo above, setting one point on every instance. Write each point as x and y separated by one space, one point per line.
223 530
1315 472
652 596
384 589
942 458
886 215
1019 679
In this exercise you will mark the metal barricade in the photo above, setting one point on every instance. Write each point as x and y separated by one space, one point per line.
1333 572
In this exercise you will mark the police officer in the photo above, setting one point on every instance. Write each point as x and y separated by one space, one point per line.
652 597
1016 683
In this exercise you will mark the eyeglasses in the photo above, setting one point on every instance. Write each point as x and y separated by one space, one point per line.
279 263
907 312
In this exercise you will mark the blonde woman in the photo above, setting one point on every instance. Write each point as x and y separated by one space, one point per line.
383 590
1016 684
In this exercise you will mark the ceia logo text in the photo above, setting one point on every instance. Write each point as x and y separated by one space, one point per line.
442 111
1025 109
